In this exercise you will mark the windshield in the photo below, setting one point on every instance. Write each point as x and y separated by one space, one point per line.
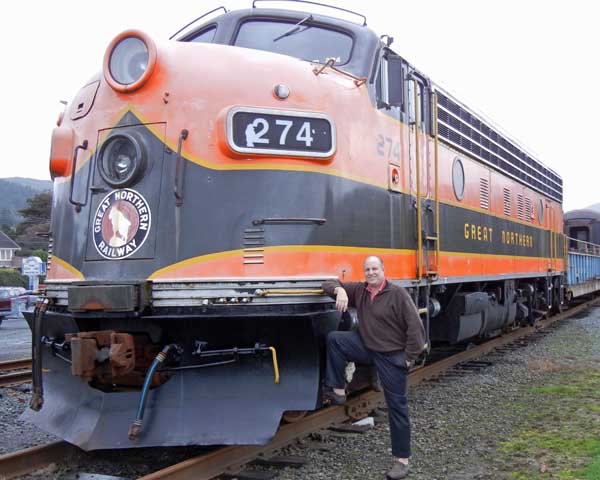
297 39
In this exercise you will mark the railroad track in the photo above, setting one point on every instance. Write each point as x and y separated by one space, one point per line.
229 460
15 378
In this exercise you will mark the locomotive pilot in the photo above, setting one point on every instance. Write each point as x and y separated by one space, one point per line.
390 336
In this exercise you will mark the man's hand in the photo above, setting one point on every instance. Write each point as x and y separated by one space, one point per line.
341 299
409 364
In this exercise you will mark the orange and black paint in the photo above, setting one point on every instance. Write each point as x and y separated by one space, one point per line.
209 205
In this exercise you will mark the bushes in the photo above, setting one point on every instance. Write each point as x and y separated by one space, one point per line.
12 278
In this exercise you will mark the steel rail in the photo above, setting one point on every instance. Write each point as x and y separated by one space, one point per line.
231 459
15 364
25 461
17 378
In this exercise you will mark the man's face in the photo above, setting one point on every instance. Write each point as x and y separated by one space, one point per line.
374 275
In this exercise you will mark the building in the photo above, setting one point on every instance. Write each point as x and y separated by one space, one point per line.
7 250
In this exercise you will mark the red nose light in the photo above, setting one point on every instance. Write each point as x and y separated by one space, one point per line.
61 151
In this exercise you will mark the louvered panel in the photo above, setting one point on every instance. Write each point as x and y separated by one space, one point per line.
459 140
528 209
506 193
484 193
254 246
466 131
520 207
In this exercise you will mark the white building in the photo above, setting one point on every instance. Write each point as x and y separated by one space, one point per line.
7 250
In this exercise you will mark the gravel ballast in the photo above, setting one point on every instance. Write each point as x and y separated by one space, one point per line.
460 422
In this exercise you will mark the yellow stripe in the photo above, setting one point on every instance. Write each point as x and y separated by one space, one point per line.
491 255
67 266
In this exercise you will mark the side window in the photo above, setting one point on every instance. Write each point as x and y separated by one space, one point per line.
205 36
390 85
423 103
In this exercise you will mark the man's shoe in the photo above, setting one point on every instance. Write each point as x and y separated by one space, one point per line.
332 398
399 470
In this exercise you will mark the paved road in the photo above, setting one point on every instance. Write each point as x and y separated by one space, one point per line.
15 339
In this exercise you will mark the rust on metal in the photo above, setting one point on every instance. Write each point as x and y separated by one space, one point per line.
15 364
291 416
112 358
31 459
11 379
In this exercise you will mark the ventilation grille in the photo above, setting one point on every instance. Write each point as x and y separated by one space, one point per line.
528 209
520 207
484 193
254 246
464 130
506 192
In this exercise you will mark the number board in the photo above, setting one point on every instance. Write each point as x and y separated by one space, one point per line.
280 132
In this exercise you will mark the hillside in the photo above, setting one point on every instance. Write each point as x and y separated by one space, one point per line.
34 183
14 193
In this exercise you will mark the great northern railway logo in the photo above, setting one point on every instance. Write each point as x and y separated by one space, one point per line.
121 224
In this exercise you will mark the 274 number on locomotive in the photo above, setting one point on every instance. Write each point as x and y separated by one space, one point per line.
285 133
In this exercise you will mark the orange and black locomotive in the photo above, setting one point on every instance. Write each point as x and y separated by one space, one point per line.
205 186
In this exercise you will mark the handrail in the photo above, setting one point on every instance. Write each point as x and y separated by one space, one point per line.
319 4
177 188
418 157
195 20
78 205
436 188
588 247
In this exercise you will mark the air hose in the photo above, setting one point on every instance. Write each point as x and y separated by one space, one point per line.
37 394
136 426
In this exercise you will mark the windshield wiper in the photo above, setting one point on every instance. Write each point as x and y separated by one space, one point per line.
294 29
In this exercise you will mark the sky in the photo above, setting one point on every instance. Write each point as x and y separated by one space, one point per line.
530 66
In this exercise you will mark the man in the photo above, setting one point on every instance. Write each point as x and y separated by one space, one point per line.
390 336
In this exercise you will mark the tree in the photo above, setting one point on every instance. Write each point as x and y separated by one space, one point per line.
10 231
42 254
36 220
37 212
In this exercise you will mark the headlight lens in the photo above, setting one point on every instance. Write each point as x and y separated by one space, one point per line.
122 159
129 61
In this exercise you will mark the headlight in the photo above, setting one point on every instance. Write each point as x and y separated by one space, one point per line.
129 61
121 160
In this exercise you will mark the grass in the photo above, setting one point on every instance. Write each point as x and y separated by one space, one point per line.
560 435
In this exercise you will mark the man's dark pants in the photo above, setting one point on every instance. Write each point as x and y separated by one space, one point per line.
343 347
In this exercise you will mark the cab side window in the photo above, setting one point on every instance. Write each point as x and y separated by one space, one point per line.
205 36
390 84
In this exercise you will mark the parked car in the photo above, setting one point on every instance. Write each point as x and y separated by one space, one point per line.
5 302
14 300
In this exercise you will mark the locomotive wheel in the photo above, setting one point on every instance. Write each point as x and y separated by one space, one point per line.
291 416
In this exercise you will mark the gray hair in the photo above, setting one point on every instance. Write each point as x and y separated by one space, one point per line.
373 257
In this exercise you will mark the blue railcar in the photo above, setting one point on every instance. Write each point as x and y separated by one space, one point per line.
582 228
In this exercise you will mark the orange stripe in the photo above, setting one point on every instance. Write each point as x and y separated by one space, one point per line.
345 263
